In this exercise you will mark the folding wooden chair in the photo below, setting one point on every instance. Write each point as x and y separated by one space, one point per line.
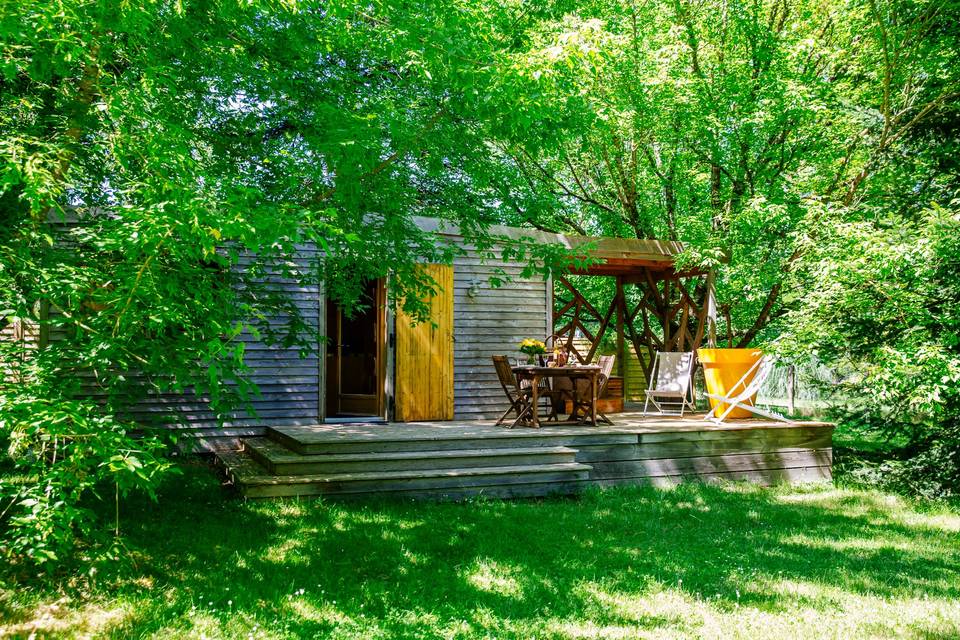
750 384
518 397
581 396
672 375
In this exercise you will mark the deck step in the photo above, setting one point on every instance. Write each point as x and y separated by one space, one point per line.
305 442
280 460
254 481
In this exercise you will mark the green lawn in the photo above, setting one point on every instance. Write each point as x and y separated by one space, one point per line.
695 561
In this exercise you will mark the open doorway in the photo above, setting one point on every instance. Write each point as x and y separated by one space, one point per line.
356 354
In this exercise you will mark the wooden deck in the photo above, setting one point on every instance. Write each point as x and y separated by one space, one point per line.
459 459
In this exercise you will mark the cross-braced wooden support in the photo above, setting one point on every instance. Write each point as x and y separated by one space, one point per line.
653 309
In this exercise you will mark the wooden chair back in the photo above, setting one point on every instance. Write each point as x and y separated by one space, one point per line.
606 370
505 374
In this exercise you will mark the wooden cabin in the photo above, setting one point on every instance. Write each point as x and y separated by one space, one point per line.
376 366
384 405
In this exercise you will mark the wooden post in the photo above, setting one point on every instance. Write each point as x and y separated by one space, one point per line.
791 387
549 323
711 304
665 315
620 301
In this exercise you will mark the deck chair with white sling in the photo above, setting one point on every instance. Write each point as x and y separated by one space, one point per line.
672 375
742 394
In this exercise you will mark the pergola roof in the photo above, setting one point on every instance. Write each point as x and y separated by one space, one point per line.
613 256
669 314
623 256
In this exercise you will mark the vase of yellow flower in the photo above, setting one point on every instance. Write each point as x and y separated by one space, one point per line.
532 348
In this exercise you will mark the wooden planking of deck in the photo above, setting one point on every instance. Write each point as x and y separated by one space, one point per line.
457 459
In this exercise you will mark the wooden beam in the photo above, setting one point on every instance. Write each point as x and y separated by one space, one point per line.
586 332
664 314
563 310
653 289
603 328
583 301
711 311
621 311
649 332
571 348
685 295
682 333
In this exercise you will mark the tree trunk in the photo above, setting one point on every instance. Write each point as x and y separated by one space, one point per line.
715 200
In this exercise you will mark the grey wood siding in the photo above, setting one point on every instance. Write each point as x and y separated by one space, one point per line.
491 323
24 336
289 384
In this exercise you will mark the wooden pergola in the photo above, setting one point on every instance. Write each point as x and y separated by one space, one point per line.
655 306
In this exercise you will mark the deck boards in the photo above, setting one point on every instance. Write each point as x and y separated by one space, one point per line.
457 459
628 423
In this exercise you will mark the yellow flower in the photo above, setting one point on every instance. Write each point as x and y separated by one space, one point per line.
532 346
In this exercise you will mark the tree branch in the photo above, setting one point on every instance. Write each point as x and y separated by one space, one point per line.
566 190
383 164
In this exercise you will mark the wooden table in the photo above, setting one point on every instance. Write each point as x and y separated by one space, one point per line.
534 374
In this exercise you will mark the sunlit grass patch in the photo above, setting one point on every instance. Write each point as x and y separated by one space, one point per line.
324 613
492 577
728 561
66 617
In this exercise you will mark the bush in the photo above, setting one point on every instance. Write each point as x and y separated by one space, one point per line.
882 306
65 453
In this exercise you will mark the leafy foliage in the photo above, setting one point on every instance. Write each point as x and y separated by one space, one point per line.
731 126
160 162
883 306
803 141
76 449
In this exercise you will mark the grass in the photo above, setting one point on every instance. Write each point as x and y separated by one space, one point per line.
694 561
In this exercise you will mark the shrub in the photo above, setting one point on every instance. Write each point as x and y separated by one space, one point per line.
881 304
63 454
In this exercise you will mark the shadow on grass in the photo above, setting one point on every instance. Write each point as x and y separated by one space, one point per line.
398 569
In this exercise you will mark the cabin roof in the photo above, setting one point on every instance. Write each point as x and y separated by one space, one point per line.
615 256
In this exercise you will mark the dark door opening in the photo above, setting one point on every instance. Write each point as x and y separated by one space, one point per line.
355 356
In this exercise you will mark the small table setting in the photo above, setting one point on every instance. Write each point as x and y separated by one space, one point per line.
539 378
535 374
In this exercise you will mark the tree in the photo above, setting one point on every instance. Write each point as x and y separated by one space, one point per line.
882 308
148 148
804 140
727 125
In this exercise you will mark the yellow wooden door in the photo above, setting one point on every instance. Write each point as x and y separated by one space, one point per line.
424 356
